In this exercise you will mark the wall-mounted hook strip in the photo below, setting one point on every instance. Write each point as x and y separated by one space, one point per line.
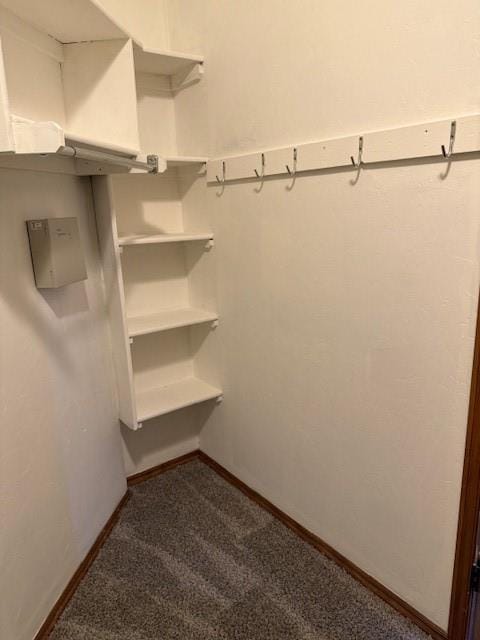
453 132
293 171
263 168
222 181
359 162
422 140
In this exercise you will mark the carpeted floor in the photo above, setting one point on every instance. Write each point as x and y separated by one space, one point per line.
193 558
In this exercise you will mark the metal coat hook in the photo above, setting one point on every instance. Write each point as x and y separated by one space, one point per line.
292 173
263 168
453 131
360 151
222 181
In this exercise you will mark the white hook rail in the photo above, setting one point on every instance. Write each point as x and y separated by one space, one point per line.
404 143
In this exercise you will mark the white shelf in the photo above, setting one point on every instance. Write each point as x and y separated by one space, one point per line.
180 161
169 319
163 238
48 137
44 146
72 21
86 21
157 402
165 63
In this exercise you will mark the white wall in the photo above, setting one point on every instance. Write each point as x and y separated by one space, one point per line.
61 469
347 312
160 440
145 20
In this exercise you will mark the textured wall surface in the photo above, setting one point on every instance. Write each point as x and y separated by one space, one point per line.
347 312
61 470
145 20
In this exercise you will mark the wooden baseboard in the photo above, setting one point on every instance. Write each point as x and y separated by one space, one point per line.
161 468
47 627
64 599
364 578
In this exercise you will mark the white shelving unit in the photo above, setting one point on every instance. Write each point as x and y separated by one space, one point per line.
62 67
162 304
80 94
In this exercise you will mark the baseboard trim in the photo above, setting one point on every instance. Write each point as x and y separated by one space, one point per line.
58 608
361 576
67 594
364 578
142 476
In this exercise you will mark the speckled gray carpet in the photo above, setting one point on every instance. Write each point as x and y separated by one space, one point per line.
193 558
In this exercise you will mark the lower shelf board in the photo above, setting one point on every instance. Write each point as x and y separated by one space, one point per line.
158 401
161 238
180 161
168 319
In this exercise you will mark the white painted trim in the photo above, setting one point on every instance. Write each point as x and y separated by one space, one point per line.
7 143
112 269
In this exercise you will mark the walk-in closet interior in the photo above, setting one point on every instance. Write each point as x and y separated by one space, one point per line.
239 276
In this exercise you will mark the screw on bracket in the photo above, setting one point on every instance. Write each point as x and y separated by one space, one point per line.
152 160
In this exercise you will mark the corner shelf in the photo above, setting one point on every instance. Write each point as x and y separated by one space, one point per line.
180 69
158 401
162 238
169 319
182 161
165 63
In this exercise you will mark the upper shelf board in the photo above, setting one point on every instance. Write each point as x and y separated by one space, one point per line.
165 63
44 146
68 20
71 21
163 237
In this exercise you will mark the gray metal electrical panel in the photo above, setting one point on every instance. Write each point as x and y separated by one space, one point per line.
57 254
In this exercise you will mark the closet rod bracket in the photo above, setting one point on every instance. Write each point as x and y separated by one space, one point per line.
152 161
